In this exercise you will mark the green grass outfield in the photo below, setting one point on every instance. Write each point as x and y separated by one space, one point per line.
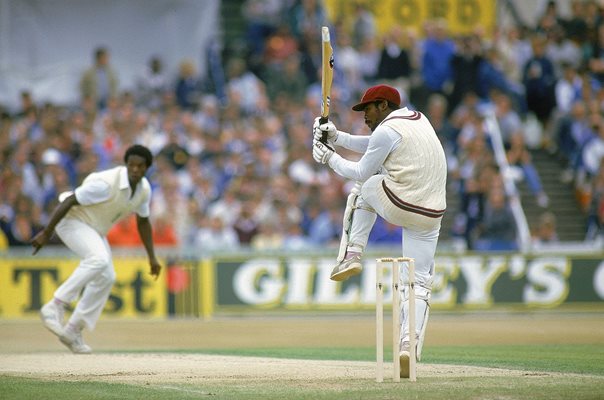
551 372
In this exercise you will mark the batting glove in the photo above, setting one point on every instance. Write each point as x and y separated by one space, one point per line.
321 152
328 128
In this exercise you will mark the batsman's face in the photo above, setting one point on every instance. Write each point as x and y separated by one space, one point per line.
137 167
373 115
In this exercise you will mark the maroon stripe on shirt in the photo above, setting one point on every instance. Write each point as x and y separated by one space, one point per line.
414 117
427 212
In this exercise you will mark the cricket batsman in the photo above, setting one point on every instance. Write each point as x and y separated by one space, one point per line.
402 177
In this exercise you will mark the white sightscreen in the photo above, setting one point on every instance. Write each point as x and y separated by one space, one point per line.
45 45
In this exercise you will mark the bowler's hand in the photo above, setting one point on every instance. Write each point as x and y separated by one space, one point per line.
155 268
321 152
39 241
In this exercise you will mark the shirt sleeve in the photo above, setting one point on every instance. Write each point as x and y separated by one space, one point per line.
358 144
93 191
381 143
144 210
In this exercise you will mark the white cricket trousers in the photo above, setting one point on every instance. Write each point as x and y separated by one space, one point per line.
419 242
95 273
420 237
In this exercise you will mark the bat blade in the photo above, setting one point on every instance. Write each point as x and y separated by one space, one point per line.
326 77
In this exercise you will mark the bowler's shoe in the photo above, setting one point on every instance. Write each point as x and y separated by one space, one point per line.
52 317
73 340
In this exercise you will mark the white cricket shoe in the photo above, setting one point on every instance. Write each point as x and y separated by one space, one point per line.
52 316
73 340
347 268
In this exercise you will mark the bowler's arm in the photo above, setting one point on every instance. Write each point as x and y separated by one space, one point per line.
58 213
145 231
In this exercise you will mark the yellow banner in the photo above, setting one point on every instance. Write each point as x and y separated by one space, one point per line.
26 284
463 16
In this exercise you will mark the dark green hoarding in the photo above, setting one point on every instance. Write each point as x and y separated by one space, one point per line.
471 281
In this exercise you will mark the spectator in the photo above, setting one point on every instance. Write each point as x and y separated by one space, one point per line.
269 237
153 84
100 82
287 80
164 234
550 18
576 26
519 157
327 226
593 152
294 238
596 60
215 235
27 104
464 69
311 54
54 176
574 131
595 211
545 233
188 87
539 80
497 231
569 89
363 26
262 18
20 230
23 222
123 234
438 50
515 50
472 203
227 207
281 45
592 17
170 202
561 50
22 165
246 226
508 118
370 53
244 88
307 16
491 75
436 112
394 68
349 61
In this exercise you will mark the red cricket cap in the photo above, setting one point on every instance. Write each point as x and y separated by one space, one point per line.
379 92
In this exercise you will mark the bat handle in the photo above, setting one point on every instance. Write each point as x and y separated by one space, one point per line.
323 120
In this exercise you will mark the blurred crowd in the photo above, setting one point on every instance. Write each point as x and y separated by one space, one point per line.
233 165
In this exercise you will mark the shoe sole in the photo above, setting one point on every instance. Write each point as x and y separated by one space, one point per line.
347 273
403 361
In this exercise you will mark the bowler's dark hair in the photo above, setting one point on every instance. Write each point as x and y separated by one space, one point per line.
141 151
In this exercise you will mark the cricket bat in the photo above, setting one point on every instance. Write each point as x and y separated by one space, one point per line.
326 78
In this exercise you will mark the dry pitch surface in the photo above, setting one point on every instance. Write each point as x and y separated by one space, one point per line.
27 349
